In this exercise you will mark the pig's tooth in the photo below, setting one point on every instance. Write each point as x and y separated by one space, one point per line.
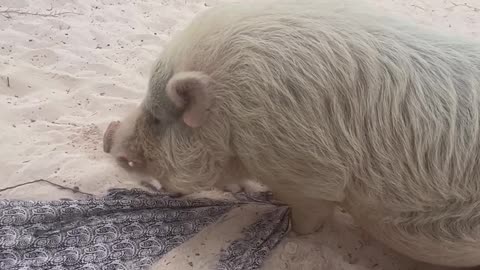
131 164
108 136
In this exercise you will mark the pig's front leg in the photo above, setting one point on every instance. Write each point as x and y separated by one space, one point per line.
308 215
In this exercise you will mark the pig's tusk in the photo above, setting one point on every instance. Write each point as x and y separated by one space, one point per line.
108 136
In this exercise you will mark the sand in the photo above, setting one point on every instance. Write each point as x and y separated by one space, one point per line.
69 67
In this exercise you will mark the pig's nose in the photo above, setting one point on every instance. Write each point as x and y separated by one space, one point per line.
108 136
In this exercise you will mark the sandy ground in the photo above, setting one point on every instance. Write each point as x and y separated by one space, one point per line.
68 67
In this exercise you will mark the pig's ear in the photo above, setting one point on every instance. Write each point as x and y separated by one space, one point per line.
190 93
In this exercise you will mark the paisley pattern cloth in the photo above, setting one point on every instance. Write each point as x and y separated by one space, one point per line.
127 229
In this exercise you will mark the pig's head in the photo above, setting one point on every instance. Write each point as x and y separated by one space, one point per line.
177 134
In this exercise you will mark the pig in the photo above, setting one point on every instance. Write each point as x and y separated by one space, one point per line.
328 103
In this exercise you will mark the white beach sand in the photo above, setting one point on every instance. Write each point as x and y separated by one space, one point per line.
69 67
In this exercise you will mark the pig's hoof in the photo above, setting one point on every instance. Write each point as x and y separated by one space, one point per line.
233 188
150 186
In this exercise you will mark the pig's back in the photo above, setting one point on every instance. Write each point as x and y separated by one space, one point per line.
365 101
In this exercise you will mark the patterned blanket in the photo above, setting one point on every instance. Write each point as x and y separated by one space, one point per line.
128 229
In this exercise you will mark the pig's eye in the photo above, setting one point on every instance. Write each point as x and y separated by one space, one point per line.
156 125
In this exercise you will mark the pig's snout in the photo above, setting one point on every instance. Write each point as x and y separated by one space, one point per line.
124 157
108 136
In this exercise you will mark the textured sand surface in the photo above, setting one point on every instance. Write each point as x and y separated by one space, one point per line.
69 67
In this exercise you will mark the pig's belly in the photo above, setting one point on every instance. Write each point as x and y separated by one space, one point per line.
435 250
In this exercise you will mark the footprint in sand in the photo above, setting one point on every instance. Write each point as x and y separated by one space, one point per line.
41 57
